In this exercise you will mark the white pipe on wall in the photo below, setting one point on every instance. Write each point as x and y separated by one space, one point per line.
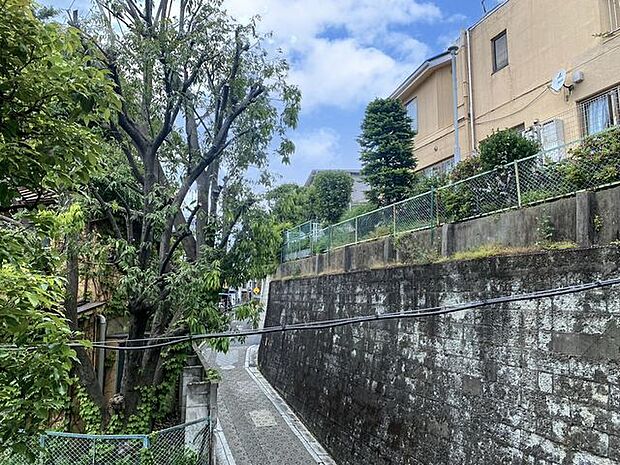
472 116
457 145
103 327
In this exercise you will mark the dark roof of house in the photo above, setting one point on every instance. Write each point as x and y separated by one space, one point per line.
88 306
29 198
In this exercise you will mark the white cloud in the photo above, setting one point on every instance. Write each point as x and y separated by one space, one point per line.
343 73
343 52
318 147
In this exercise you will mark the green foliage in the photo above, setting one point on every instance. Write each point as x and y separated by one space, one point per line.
503 147
412 252
330 195
357 210
90 414
424 184
544 230
50 96
35 358
596 161
290 204
255 252
386 143
597 223
466 168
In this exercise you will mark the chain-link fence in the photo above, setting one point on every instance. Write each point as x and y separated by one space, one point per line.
187 444
562 170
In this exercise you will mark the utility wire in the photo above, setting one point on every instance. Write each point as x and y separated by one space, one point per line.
406 314
329 324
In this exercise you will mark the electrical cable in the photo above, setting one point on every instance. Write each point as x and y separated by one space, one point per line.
330 324
417 313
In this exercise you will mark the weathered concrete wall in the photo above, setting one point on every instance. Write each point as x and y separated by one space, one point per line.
533 382
595 215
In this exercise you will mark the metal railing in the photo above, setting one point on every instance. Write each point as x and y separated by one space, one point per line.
186 444
545 176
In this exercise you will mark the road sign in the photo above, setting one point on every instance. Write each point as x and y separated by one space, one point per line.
256 290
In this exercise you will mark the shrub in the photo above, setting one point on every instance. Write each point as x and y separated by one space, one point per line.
357 211
424 184
596 161
466 168
330 195
456 202
503 147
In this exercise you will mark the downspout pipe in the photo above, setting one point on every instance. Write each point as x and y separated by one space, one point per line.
103 327
472 115
457 145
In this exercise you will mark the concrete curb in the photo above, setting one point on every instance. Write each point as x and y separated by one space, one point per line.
223 454
314 448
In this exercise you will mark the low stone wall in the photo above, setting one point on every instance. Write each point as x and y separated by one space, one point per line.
534 382
589 218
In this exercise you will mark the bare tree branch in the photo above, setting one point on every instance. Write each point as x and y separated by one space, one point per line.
177 242
108 213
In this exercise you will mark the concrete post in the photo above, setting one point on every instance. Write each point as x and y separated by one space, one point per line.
191 374
347 259
200 404
319 263
389 255
447 239
584 228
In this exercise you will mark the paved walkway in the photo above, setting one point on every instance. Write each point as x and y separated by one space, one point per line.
258 426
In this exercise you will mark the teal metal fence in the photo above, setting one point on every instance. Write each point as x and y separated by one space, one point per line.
545 176
186 444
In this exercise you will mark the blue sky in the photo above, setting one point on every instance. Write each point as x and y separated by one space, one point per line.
344 53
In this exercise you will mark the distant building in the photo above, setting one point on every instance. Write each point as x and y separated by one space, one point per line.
506 65
358 195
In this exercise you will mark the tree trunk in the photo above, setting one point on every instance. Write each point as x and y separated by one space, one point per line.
84 366
132 370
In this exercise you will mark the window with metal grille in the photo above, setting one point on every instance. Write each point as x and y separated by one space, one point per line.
600 112
500 51
438 169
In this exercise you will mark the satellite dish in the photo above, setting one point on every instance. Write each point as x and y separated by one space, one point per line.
558 81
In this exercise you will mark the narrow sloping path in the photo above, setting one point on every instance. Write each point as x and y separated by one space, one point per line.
258 425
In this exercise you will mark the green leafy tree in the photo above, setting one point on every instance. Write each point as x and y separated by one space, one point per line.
357 210
504 147
197 91
330 195
290 204
51 98
386 142
35 357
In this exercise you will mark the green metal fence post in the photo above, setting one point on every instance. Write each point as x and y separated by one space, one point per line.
433 216
394 220
518 182
356 235
329 238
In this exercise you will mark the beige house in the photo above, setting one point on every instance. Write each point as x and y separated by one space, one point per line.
550 68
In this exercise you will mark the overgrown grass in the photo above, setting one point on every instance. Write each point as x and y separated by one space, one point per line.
494 250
